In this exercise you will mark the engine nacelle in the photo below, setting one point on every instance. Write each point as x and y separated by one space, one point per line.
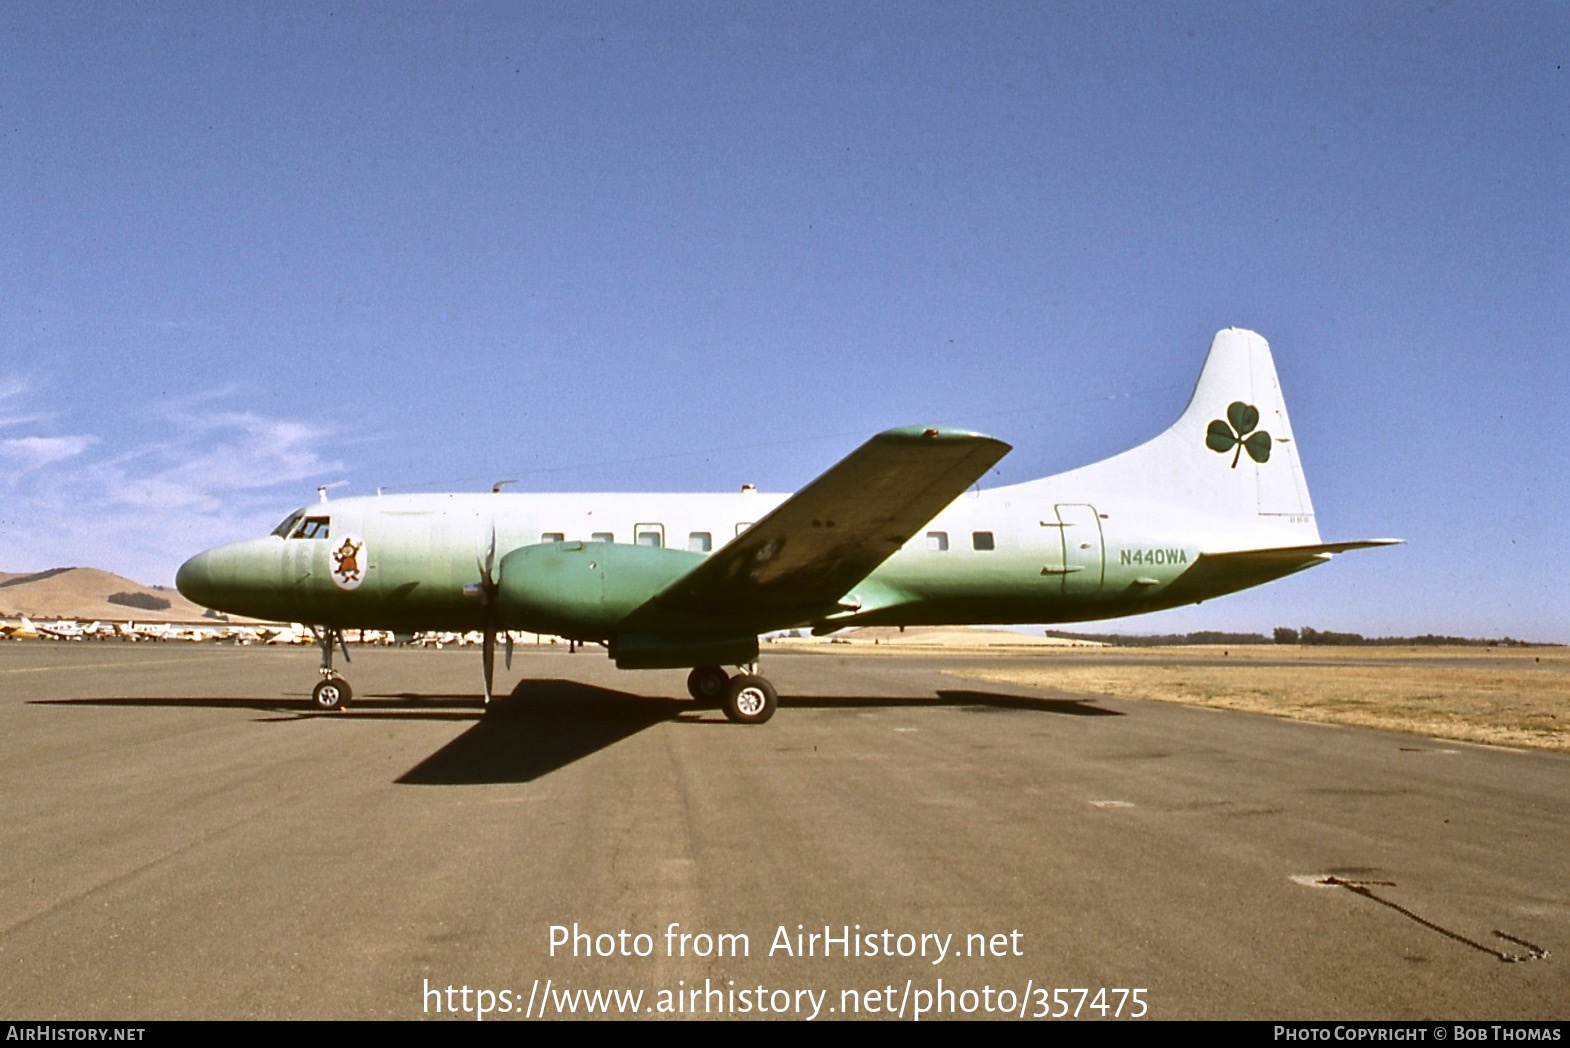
582 589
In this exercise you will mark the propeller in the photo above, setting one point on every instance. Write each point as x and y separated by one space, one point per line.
489 588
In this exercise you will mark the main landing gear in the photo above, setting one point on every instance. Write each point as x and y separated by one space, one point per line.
746 698
332 692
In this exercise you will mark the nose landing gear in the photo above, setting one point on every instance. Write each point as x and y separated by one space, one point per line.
332 692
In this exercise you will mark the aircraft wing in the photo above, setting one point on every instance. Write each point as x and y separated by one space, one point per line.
798 561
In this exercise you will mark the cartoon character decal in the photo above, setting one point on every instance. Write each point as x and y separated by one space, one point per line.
1237 431
348 557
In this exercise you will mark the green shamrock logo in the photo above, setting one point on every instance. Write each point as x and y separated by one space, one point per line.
1243 419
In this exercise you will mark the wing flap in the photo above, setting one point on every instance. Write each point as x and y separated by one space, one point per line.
799 560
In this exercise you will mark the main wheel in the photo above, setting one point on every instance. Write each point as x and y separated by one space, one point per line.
750 700
331 694
708 684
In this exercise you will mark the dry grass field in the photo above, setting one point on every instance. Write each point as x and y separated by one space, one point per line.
1500 696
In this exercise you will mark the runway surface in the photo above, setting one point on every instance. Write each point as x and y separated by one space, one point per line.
182 838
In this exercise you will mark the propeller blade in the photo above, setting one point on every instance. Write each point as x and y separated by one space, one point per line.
488 652
490 560
489 587
508 635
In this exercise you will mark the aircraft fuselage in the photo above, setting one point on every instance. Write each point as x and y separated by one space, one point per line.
1017 554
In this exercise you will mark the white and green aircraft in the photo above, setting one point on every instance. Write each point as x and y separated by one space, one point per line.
897 533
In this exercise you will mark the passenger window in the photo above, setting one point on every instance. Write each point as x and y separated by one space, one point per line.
553 536
981 540
700 542
937 541
743 527
602 536
649 538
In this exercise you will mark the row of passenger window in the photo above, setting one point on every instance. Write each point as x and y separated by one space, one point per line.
697 541
938 541
703 541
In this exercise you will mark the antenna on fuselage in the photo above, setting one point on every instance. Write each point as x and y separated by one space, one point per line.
321 493
497 487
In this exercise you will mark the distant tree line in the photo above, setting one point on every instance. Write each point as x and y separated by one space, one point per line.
1158 640
145 601
37 576
1308 636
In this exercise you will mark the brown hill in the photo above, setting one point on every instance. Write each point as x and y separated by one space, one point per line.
83 593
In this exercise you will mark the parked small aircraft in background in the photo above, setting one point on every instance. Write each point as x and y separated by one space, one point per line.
61 630
894 534
19 629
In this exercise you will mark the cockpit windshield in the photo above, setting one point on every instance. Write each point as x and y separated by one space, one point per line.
282 530
299 526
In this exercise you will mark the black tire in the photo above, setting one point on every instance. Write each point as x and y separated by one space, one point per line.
750 700
332 693
708 685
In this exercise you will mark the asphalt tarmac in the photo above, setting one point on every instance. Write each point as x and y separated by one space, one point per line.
183 838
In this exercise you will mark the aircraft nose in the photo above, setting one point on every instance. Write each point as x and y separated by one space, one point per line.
241 578
194 580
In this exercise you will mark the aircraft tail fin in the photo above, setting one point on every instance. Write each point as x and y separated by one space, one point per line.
1230 453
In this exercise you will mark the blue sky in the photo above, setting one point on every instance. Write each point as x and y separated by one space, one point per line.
250 249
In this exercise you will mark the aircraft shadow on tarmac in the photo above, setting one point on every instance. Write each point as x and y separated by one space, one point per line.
542 726
545 725
405 707
973 701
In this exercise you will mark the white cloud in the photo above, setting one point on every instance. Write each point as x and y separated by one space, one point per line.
14 388
197 479
31 453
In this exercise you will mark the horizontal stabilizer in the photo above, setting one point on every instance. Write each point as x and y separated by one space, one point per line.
1293 554
1216 573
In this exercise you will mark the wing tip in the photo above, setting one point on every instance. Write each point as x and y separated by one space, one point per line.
935 434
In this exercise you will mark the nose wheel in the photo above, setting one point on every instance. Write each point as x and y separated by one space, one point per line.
331 693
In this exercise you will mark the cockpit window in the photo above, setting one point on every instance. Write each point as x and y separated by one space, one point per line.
298 526
312 528
282 530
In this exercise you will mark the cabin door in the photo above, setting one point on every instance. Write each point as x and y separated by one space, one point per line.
1079 557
